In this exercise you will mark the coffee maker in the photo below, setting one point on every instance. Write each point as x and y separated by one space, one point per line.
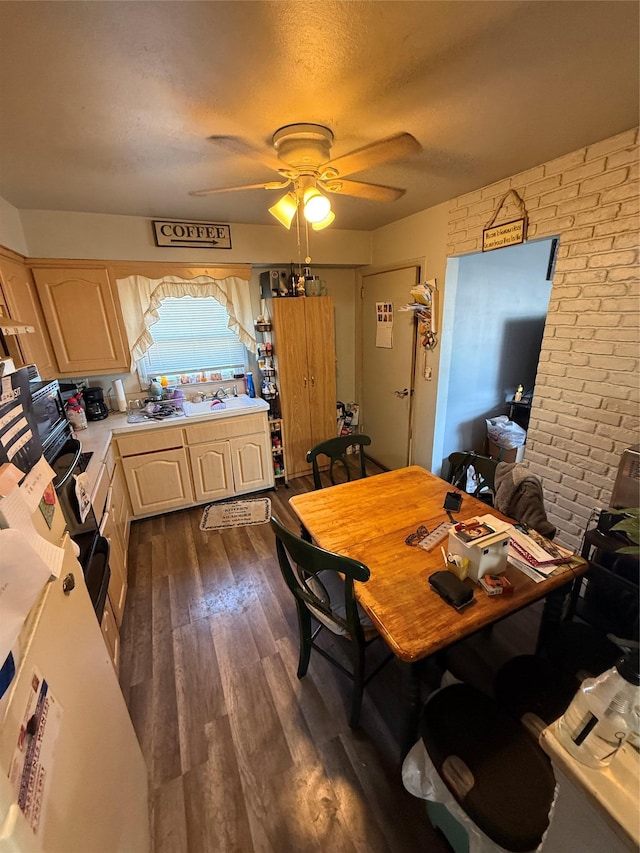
96 407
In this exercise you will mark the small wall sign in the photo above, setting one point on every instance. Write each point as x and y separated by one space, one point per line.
182 234
506 233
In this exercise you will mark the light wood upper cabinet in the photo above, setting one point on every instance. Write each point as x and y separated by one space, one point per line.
83 317
22 303
305 354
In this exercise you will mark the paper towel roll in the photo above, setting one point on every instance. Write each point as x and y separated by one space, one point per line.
121 399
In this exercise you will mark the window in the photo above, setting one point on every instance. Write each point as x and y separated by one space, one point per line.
192 335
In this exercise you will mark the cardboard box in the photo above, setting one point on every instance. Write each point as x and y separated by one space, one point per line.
486 556
516 454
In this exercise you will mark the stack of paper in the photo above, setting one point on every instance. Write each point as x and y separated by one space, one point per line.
535 555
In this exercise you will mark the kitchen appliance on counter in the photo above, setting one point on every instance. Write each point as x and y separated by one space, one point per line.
94 401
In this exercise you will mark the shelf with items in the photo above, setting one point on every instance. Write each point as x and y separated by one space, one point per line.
269 393
277 449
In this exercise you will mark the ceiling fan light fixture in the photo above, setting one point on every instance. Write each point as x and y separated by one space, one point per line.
285 209
318 226
317 207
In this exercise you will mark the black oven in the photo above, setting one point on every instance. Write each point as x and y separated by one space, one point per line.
48 412
64 453
68 461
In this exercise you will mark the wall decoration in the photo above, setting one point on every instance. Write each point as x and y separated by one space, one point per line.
180 234
506 233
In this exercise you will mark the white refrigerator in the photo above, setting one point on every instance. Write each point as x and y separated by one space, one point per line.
90 791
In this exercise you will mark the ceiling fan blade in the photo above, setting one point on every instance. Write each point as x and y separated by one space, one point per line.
373 192
383 151
238 146
269 185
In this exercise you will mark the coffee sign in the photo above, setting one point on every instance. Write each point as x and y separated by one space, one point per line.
202 235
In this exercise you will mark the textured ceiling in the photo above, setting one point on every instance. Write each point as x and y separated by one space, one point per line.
107 106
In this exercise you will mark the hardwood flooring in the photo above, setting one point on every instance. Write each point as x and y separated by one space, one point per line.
243 756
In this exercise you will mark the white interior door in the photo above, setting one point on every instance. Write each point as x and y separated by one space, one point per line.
388 371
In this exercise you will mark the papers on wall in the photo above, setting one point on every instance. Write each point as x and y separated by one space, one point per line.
19 442
384 325
82 495
34 484
15 513
33 755
23 573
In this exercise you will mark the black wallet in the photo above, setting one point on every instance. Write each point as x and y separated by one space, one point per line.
451 589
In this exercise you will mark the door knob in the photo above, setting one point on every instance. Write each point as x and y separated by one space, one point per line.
402 393
68 584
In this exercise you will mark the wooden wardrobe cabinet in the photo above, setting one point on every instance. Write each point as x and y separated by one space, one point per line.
305 354
81 307
22 303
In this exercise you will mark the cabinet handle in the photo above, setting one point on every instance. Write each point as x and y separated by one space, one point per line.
313 381
305 381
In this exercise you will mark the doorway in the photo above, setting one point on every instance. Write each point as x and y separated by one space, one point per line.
494 315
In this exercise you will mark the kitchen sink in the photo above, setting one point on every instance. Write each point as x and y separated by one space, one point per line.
223 408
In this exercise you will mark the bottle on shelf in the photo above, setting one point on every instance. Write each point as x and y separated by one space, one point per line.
602 714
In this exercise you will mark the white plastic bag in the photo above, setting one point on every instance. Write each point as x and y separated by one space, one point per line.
505 433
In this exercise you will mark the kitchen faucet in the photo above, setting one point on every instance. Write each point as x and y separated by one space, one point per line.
220 394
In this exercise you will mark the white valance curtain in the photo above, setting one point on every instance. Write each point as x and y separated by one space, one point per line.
140 297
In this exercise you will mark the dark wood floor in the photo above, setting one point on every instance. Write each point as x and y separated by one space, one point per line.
242 755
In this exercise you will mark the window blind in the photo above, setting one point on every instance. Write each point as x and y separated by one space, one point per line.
192 334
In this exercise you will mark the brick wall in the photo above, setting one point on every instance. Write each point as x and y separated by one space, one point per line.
585 408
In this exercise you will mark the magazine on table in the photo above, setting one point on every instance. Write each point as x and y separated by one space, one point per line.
539 552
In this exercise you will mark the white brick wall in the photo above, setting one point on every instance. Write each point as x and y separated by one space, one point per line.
586 402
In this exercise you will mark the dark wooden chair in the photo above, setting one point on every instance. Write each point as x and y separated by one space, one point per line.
335 449
323 586
484 468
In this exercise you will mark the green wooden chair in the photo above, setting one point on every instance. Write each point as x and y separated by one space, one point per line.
323 586
336 450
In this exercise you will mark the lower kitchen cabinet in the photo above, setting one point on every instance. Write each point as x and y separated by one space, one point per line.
111 507
212 472
159 481
207 460
224 468
114 529
251 461
111 635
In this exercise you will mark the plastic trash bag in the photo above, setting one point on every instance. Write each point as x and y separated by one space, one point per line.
505 433
420 778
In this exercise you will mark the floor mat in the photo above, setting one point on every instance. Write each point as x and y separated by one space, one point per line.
236 514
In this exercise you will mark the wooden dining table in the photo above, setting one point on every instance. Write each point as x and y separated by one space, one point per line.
370 520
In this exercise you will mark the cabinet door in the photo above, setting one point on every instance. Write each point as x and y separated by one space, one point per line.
158 481
288 316
252 465
321 361
23 304
121 510
211 470
111 635
82 316
118 580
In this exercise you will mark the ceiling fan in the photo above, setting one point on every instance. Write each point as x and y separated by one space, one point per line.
301 159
